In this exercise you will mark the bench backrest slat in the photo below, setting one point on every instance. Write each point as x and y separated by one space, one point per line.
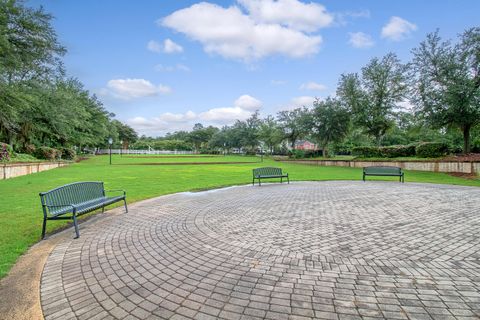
382 170
267 171
77 192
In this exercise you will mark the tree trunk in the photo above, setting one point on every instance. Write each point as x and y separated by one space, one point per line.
324 151
466 138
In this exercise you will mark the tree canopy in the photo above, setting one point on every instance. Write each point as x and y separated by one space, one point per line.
446 82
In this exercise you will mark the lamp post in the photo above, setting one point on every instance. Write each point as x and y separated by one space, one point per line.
121 147
224 149
110 141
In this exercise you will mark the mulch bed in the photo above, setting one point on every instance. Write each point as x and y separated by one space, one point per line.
473 157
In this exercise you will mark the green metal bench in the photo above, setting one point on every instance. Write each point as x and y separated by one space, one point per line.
268 173
76 198
384 171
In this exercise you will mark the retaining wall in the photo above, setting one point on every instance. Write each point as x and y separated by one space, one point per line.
13 170
434 166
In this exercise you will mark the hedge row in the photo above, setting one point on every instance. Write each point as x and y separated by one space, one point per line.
422 150
51 154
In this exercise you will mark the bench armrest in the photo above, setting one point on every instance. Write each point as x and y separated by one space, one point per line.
117 190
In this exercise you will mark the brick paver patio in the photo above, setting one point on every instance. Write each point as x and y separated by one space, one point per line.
327 250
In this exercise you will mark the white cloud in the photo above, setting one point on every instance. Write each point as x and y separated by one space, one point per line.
178 67
171 47
168 46
342 18
248 103
134 88
294 14
178 117
225 115
278 82
360 40
232 34
154 46
242 108
405 104
398 29
303 101
313 86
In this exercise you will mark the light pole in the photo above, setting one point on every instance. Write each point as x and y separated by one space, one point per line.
121 147
110 141
224 149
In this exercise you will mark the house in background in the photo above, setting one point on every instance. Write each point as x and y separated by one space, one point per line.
305 145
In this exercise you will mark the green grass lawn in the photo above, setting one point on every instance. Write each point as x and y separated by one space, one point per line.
21 214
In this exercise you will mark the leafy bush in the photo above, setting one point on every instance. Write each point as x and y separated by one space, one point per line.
6 152
476 145
48 153
30 149
397 151
210 151
367 152
432 149
296 154
313 153
68 154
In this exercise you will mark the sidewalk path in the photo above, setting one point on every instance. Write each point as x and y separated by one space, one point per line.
327 250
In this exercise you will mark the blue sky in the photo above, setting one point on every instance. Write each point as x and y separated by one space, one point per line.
162 66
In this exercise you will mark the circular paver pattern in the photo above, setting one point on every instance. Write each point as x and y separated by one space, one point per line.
326 250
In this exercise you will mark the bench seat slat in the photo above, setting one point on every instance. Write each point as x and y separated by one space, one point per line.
76 198
389 171
268 173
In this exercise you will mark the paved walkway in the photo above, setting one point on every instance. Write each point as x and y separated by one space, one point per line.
327 250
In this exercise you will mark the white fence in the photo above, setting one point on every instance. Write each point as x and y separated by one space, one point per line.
130 151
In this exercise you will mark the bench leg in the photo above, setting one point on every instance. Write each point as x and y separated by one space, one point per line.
103 209
364 177
75 224
281 180
259 182
253 181
288 180
44 227
125 203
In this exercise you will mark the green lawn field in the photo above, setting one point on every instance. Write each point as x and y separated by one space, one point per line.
21 214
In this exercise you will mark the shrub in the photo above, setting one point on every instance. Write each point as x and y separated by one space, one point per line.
250 152
312 153
397 151
68 154
30 149
432 149
366 152
296 154
6 152
48 153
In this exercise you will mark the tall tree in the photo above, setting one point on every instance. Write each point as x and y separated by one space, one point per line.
373 97
446 82
126 134
295 124
330 123
270 133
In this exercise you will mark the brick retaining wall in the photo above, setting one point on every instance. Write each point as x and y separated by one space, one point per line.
434 166
13 170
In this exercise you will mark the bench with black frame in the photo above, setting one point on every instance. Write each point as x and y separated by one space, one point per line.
268 173
384 171
76 199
